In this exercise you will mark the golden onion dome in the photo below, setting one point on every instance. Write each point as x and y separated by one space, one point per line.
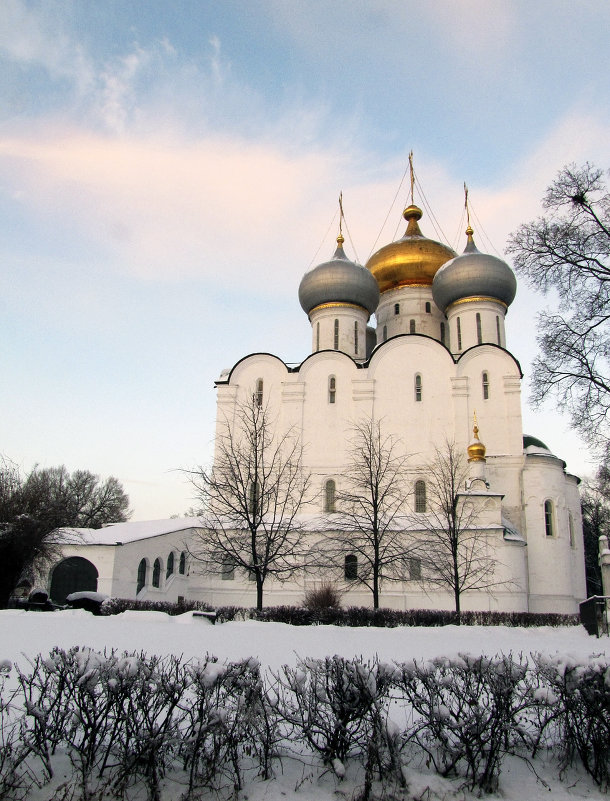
476 449
410 261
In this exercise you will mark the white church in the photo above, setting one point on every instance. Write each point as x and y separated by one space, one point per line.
436 356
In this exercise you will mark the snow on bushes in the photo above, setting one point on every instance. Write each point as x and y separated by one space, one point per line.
127 722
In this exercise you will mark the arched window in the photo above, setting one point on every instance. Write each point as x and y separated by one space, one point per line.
428 308
397 308
411 326
254 500
485 382
317 336
141 576
443 333
418 388
459 333
356 337
420 496
332 389
156 576
259 392
571 530
479 330
350 570
182 564
549 527
169 569
329 496
336 340
498 330
385 333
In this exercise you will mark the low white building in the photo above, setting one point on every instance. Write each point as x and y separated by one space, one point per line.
437 356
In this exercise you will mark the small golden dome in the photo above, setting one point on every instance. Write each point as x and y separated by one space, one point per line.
410 261
476 449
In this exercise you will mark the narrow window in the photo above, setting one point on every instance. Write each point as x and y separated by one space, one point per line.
459 333
420 496
411 326
329 496
571 530
498 330
254 500
227 572
479 330
485 386
548 518
170 565
182 564
156 576
397 308
332 389
443 334
141 576
259 392
351 567
385 333
418 388
414 569
317 336
356 337
336 343
428 308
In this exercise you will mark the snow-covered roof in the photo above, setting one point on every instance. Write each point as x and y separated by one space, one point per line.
120 533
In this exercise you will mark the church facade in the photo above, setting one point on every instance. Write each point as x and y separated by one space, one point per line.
436 357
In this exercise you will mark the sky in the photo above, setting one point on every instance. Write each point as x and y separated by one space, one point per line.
170 170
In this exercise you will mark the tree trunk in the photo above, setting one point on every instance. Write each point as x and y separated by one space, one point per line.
259 592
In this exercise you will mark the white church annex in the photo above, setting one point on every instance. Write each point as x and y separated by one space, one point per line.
437 356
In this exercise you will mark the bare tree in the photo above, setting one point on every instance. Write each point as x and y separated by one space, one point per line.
568 251
251 498
452 544
369 524
34 505
595 505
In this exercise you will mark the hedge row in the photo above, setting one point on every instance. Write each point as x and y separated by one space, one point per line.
127 721
348 616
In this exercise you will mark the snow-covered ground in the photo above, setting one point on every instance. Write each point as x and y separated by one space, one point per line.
25 634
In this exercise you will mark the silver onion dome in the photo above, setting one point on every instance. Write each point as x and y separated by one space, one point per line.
339 281
473 274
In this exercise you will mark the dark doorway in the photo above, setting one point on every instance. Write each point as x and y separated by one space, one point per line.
74 574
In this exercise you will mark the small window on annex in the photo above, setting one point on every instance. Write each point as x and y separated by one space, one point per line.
479 330
459 333
571 530
156 576
350 570
397 308
411 326
259 392
549 527
329 496
418 388
227 569
336 336
420 496
443 334
498 330
332 389
428 308
169 569
485 383
182 564
141 576
414 569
